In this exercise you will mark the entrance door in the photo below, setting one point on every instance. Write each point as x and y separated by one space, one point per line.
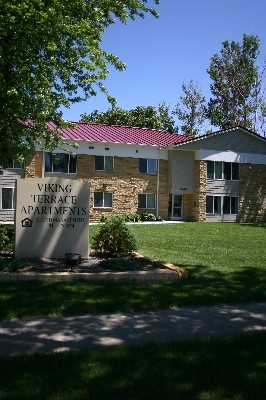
177 206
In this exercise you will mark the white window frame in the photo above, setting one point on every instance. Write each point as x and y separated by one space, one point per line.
148 167
13 198
104 163
52 155
222 204
14 166
222 163
104 195
146 201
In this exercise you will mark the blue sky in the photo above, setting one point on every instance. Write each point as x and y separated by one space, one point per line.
161 54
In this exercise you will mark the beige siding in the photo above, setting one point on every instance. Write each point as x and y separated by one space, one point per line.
181 172
236 141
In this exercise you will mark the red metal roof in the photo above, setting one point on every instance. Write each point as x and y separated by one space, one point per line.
120 134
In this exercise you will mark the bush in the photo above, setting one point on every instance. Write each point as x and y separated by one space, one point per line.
132 217
7 238
147 216
8 264
114 238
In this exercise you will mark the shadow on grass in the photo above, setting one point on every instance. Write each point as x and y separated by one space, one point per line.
204 286
217 368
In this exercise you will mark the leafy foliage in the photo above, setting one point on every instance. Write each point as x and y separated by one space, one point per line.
191 111
134 217
7 238
51 56
141 116
10 264
114 238
235 82
147 216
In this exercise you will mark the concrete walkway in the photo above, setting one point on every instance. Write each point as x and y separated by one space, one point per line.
28 336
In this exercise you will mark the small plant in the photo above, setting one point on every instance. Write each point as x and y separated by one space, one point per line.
114 238
7 238
134 217
147 216
103 218
11 264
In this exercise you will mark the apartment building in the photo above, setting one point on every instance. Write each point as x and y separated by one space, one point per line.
219 176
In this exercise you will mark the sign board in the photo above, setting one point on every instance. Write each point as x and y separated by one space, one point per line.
51 217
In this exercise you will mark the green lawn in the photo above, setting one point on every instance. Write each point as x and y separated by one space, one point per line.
203 369
226 264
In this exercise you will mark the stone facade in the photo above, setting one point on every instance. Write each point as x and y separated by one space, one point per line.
199 209
34 165
252 196
125 183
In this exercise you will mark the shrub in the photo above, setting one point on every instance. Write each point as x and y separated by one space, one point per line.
7 237
134 217
147 216
11 264
103 218
114 238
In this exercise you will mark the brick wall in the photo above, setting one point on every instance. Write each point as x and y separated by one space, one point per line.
125 183
34 165
252 193
198 209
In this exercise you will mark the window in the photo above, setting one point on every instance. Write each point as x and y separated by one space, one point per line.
60 162
222 170
104 163
7 198
146 200
147 165
221 205
14 164
103 199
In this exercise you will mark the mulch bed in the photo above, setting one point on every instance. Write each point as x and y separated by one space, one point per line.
93 264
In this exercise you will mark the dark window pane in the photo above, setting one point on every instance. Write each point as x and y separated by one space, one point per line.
7 198
234 205
99 163
98 199
227 171
210 169
142 201
72 164
18 164
60 162
235 171
226 205
209 204
48 162
217 204
143 165
218 170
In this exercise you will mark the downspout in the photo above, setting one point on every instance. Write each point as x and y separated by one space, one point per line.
158 184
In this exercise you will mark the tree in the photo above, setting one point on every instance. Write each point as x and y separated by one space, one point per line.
141 116
191 111
51 56
235 81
